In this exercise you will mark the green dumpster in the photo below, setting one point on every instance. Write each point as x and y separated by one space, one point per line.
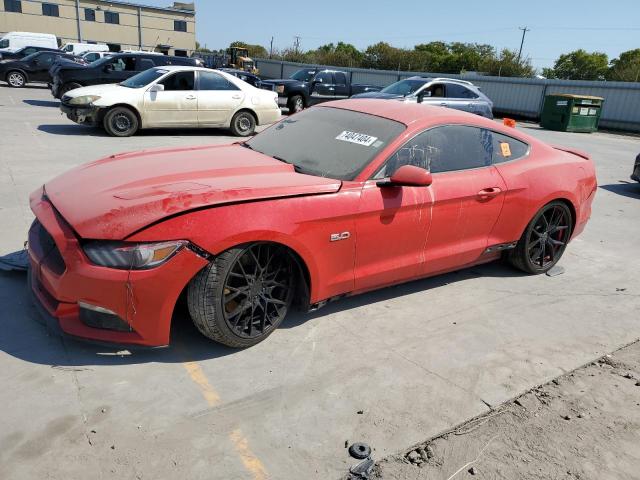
571 113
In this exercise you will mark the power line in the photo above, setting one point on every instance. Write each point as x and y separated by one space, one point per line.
524 32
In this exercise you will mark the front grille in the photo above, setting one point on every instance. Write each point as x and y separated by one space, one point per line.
45 248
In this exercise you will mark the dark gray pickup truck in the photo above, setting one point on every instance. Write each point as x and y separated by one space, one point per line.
309 86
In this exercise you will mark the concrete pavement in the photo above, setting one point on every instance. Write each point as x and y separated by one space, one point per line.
415 359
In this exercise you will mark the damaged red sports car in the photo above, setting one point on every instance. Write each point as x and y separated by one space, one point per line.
338 199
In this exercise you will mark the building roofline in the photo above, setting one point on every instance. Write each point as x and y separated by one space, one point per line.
150 7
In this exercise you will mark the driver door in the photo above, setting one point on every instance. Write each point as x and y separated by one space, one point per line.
392 226
176 105
322 88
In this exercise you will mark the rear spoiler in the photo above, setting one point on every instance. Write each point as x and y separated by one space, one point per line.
573 151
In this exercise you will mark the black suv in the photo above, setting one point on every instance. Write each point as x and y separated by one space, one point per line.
24 51
32 68
114 69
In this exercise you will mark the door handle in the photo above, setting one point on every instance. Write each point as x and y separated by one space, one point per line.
191 97
443 104
237 97
331 88
488 193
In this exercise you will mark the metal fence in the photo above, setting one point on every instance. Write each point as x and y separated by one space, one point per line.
511 96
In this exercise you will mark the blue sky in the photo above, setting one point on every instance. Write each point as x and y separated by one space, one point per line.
556 26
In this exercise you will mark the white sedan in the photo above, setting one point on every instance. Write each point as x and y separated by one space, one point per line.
173 96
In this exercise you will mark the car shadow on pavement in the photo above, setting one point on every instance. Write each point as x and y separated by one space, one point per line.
42 103
24 334
28 85
72 129
626 189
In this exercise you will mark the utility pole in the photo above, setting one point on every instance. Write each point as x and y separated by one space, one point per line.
524 32
297 43
271 48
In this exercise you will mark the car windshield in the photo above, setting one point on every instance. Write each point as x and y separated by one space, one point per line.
143 78
303 75
328 142
404 87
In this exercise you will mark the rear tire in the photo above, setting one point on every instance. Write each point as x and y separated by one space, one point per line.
243 124
243 295
544 240
121 122
16 79
295 104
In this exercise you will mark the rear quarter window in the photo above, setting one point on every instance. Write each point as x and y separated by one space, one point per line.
507 148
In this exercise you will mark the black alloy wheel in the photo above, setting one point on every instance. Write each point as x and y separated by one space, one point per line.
544 240
242 296
257 291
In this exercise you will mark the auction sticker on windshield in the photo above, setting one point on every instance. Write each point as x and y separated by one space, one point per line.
359 138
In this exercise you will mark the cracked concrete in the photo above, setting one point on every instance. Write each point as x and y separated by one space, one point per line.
416 359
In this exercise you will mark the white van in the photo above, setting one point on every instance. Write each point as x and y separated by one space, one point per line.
13 41
78 48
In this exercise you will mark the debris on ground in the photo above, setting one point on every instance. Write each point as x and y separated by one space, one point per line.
587 422
360 450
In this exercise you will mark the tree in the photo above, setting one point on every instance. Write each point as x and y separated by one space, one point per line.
507 64
341 55
255 51
581 65
625 68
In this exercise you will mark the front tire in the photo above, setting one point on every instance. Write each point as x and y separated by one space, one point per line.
544 240
67 87
16 79
243 295
243 124
295 104
121 122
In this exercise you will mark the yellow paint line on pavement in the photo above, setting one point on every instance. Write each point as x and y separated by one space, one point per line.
199 378
252 463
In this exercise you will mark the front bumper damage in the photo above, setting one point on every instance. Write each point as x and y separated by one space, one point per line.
84 115
64 283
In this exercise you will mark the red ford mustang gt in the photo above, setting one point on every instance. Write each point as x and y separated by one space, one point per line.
339 199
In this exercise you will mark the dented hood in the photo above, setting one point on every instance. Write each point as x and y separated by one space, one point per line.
112 198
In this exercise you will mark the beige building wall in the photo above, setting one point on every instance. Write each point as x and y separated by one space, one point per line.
152 27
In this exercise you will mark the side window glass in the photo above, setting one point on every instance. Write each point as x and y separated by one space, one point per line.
341 78
468 93
119 65
180 81
324 77
213 81
145 64
444 149
507 148
46 59
459 91
29 51
436 90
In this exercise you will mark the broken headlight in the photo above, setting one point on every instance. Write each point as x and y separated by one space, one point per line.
134 256
84 100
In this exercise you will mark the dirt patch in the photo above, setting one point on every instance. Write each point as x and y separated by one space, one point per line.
583 425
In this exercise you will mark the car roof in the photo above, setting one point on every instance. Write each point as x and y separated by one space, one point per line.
172 68
417 115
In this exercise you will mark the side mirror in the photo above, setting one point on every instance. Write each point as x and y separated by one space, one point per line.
108 68
156 87
408 176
